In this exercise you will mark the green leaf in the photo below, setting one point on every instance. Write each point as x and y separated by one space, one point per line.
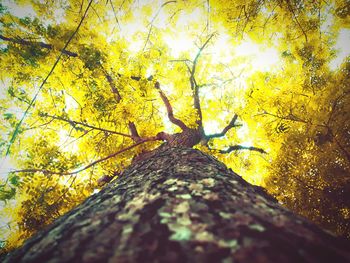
8 116
2 9
14 180
7 194
25 21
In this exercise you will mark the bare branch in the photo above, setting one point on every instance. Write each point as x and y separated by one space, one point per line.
160 8
200 51
296 19
74 123
181 60
154 18
40 44
89 165
194 85
109 78
169 108
241 147
115 15
208 16
148 36
135 135
225 130
194 63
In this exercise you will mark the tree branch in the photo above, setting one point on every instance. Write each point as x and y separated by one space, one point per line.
74 123
200 51
15 133
148 36
170 109
40 44
89 165
289 117
135 135
115 15
296 20
63 51
132 127
151 23
342 148
185 60
194 85
160 8
225 130
241 147
110 80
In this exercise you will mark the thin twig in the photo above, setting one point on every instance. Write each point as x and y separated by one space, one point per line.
115 15
241 147
159 9
73 123
296 19
89 165
289 117
148 36
154 18
40 44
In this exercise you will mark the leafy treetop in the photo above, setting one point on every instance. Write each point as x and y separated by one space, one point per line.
90 86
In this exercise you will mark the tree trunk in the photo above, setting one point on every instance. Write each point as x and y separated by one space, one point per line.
181 205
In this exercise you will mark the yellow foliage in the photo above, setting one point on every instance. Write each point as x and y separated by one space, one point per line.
275 68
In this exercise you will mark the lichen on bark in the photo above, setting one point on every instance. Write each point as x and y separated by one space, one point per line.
181 205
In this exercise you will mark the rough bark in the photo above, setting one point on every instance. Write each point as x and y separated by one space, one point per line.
181 205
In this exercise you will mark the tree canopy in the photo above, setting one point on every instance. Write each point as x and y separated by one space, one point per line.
88 86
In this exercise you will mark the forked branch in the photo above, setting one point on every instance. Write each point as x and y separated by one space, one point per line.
225 130
232 147
194 86
169 108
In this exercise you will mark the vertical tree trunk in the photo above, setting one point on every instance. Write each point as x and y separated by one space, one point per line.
181 205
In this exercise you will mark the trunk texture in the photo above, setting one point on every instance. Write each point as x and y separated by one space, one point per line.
181 205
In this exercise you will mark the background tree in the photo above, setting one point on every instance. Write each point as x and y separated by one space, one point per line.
75 96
